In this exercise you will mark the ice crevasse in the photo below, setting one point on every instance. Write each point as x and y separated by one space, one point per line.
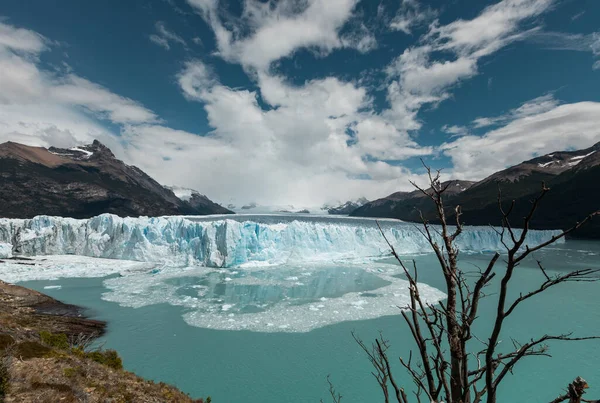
225 242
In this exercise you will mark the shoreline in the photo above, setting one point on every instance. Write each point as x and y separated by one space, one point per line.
44 312
46 354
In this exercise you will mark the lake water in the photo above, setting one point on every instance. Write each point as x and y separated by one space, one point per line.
272 333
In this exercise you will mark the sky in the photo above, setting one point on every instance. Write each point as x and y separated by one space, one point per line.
303 102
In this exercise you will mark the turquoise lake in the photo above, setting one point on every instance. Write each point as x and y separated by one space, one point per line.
157 341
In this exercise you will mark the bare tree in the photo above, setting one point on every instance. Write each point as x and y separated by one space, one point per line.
445 368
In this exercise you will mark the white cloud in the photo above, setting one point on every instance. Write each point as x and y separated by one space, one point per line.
455 130
269 31
536 132
164 37
280 142
162 42
25 85
410 15
535 106
21 40
298 149
320 131
573 42
195 79
360 38
419 76
77 91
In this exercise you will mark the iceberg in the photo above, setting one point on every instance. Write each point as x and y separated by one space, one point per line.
188 241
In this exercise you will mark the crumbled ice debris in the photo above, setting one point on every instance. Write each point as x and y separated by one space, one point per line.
270 304
55 267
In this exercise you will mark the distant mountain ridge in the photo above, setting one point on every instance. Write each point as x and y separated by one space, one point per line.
197 202
82 182
572 176
345 208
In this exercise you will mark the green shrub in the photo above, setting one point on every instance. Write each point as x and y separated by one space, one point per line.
58 340
110 358
78 351
70 372
31 349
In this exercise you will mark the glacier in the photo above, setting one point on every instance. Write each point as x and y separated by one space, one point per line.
224 243
257 273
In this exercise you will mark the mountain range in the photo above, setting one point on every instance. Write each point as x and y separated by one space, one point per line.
572 176
85 181
345 208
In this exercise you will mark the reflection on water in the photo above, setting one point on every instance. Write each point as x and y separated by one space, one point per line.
255 291
276 298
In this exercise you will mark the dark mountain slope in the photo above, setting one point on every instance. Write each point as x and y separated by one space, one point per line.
406 205
79 182
572 176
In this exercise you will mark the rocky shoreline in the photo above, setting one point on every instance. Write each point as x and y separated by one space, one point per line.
35 311
46 355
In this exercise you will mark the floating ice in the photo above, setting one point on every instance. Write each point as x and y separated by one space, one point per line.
184 241
267 300
55 267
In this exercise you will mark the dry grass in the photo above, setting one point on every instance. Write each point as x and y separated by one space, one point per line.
69 378
46 358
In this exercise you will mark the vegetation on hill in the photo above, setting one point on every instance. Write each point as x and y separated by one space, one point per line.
47 355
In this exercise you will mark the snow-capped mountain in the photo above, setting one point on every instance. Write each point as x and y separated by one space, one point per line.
572 176
197 202
81 182
345 208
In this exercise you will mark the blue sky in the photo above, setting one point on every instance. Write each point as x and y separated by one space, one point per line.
303 102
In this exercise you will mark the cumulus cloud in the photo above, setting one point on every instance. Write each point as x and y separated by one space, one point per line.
536 131
269 31
320 131
310 146
419 76
282 141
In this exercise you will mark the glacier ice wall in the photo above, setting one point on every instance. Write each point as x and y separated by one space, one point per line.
225 243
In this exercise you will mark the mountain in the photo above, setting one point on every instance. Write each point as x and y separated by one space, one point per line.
406 205
345 208
572 176
80 182
196 202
